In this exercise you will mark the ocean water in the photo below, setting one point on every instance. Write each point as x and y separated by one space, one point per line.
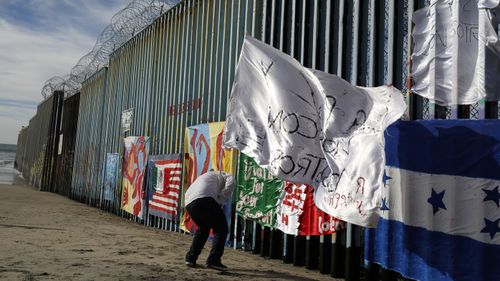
8 175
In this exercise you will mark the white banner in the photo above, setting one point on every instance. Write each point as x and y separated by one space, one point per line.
455 58
312 127
290 208
127 117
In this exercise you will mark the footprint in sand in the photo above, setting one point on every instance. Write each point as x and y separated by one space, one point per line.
82 251
126 252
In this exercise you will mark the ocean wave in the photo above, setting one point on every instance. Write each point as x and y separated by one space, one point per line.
7 159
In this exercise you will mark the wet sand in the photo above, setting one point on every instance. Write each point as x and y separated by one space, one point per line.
45 236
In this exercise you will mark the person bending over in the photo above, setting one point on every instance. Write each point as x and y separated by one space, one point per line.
204 200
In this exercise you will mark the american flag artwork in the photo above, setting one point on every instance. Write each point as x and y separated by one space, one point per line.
164 186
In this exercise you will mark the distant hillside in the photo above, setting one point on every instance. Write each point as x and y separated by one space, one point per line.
7 147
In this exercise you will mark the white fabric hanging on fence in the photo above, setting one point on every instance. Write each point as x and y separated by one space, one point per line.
291 207
455 57
312 127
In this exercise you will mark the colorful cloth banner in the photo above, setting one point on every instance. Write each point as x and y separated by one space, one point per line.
312 127
313 221
456 51
440 210
110 176
164 185
134 167
258 192
291 207
203 150
298 215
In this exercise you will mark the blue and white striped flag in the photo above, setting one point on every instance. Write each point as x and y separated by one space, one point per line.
440 209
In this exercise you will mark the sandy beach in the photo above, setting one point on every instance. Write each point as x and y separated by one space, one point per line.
45 236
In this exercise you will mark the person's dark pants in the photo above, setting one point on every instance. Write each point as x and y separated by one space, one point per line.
207 214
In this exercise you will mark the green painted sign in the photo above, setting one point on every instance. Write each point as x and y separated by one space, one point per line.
258 192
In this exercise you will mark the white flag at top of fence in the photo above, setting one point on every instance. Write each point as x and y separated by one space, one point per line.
311 127
455 57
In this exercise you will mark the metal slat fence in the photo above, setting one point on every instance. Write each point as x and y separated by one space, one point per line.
36 156
64 169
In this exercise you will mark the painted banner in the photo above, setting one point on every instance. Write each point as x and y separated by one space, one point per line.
110 176
203 152
134 167
313 221
440 211
312 127
164 185
258 192
298 215
456 57
291 207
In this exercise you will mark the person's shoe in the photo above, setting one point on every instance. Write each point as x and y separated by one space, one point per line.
217 266
190 262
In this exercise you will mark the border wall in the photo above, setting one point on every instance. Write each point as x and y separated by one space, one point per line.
179 71
37 144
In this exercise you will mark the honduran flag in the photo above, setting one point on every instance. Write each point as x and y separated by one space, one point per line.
440 210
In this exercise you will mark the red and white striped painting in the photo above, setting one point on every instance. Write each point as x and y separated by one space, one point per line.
165 186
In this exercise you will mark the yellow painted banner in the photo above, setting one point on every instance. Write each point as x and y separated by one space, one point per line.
203 152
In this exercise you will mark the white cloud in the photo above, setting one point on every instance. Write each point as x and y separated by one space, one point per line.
29 58
48 41
12 118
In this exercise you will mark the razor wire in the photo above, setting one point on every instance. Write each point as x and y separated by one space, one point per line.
136 16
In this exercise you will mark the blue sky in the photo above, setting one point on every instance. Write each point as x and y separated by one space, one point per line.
40 39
